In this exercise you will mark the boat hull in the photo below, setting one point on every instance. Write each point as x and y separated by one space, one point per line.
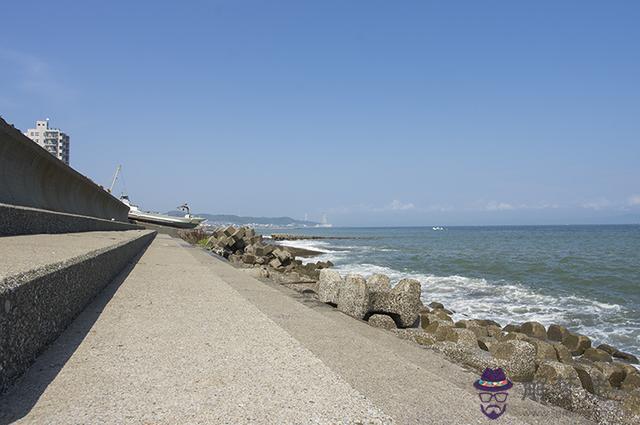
164 220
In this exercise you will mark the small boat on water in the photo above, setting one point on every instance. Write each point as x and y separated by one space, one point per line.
438 228
188 221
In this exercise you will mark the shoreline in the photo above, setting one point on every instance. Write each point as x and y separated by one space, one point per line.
600 379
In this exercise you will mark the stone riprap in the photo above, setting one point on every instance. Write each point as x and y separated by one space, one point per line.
402 302
353 297
242 246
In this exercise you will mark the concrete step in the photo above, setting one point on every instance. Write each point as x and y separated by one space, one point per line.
410 383
16 220
46 280
171 342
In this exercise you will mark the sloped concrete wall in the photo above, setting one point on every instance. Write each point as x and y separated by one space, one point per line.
31 177
36 306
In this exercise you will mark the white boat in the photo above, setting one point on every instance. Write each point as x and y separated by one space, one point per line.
188 221
438 228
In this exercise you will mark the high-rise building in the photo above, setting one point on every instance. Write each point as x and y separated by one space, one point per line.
52 139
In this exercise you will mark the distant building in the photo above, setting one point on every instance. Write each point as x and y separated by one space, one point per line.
52 139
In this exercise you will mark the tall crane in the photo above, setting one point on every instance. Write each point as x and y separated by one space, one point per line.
115 177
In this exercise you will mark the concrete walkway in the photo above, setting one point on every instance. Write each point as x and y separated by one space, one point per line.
186 338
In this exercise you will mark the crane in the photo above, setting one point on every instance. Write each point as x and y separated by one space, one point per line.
115 177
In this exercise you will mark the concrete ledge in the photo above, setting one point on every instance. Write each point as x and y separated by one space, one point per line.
39 298
15 220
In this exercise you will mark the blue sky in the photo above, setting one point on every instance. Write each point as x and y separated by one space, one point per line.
373 112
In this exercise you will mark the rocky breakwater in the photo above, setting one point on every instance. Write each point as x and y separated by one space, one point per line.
553 364
244 248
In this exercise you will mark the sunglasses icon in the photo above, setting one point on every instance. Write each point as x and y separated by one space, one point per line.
499 397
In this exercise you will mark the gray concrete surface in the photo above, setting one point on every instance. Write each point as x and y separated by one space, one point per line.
46 280
32 177
186 338
16 220
175 344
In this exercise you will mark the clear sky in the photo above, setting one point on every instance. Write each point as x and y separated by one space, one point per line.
373 112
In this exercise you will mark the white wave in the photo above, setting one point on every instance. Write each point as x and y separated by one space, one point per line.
314 245
508 302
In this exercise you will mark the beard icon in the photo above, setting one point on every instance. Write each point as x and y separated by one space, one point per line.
492 390
493 410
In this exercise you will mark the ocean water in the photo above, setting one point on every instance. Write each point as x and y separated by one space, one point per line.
584 277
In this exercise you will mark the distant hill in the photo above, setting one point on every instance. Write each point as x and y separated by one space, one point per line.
239 220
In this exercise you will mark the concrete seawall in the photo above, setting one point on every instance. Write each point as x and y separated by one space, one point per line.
16 220
31 177
47 280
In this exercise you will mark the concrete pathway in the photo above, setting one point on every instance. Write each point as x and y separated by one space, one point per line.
185 338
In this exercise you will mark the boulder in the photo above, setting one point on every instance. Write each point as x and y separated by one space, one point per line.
592 379
472 357
553 372
230 230
275 263
378 282
402 302
486 343
238 234
562 353
434 304
283 255
613 372
517 357
544 350
596 355
264 272
511 336
353 297
607 348
534 330
631 382
382 321
557 333
424 338
460 336
433 327
329 284
428 318
479 331
441 314
235 258
263 250
248 258
487 322
577 344
626 356
494 331
511 327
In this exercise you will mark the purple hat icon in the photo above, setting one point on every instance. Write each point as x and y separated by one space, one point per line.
493 380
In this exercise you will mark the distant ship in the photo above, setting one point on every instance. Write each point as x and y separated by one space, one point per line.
438 228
